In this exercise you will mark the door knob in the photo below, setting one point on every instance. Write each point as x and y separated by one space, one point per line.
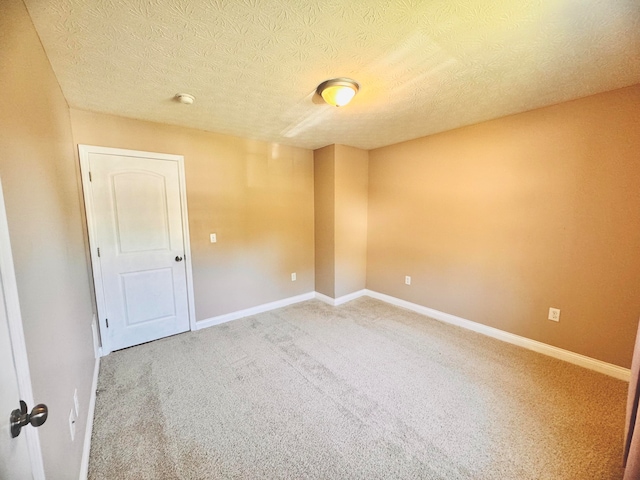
19 417
178 259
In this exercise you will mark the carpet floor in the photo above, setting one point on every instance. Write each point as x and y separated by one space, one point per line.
361 391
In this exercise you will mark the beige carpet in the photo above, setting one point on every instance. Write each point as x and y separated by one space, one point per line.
361 391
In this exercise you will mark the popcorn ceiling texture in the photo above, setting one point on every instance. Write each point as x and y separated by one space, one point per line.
253 65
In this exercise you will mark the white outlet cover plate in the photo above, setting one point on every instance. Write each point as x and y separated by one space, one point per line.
72 425
213 238
554 314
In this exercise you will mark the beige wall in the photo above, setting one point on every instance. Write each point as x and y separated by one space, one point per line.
341 179
256 196
497 222
38 174
324 204
351 192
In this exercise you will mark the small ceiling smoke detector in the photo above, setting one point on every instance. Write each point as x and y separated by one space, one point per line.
185 98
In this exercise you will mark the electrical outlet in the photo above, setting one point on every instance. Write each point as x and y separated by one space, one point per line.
554 314
407 280
213 238
293 277
76 404
72 425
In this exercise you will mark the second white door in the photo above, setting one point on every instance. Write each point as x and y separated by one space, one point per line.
139 247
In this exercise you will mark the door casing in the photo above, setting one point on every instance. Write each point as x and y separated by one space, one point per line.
84 152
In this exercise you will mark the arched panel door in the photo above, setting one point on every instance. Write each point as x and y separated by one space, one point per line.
140 248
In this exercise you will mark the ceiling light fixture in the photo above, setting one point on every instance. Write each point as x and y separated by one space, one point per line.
185 98
338 91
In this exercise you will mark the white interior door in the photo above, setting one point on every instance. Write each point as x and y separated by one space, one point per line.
138 245
20 457
14 455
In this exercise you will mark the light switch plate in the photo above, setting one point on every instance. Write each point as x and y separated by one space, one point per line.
213 238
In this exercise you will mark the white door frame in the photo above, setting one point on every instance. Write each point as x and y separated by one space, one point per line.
84 151
18 345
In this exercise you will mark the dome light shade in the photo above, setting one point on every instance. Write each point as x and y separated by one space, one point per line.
338 91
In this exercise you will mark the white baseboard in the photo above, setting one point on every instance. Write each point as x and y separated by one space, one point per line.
86 449
340 300
555 352
210 322
543 348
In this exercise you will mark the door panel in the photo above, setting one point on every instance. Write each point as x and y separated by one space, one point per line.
138 224
148 295
140 212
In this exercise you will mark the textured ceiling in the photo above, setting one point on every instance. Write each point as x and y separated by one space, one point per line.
253 65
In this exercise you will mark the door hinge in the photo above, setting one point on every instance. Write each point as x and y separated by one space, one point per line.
107 322
98 251
90 179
